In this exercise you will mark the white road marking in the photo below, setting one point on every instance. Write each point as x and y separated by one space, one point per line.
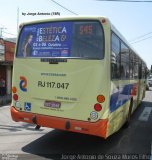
144 116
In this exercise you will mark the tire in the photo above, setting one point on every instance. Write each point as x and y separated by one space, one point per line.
126 125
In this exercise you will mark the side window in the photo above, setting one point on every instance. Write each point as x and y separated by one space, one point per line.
146 72
143 71
124 68
115 57
139 69
87 40
136 65
131 65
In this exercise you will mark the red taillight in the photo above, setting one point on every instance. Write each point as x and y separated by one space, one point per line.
15 97
98 107
101 98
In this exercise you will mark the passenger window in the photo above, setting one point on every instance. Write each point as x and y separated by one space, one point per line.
135 72
131 65
115 57
124 68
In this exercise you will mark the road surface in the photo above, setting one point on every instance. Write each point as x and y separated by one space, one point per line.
22 141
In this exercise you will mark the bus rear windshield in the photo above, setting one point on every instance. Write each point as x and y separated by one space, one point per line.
79 39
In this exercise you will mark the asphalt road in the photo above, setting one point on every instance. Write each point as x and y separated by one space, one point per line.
22 141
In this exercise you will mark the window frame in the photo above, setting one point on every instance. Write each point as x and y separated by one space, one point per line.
88 58
134 59
115 78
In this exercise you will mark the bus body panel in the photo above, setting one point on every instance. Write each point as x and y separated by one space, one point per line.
98 128
76 102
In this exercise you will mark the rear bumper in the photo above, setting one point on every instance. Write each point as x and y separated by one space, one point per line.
98 128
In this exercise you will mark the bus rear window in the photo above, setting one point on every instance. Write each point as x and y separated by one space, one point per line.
80 39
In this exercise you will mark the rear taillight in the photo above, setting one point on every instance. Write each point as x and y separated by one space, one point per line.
14 92
97 107
15 97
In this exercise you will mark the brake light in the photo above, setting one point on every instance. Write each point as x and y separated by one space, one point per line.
97 107
15 97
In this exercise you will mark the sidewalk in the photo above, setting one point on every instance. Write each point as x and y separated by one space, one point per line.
5 99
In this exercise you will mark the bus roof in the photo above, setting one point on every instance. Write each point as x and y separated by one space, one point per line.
66 18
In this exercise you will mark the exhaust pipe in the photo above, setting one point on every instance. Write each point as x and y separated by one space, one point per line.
34 120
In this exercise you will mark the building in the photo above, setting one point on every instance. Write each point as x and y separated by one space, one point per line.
7 49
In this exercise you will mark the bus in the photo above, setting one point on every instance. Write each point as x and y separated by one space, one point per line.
77 74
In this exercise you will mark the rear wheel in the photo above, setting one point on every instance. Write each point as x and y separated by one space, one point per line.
129 114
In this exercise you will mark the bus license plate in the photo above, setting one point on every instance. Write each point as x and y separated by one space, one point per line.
52 104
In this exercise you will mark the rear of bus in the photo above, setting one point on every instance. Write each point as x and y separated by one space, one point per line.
61 75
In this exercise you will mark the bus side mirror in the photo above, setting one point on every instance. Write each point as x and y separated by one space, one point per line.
151 69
